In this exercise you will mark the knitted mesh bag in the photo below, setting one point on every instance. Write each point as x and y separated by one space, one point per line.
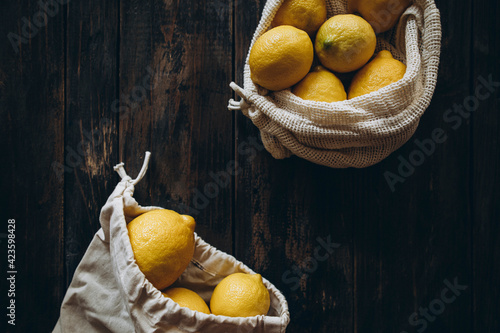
358 132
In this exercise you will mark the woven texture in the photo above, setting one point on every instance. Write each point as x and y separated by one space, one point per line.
109 293
358 132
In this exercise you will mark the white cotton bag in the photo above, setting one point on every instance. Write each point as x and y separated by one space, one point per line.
358 132
109 293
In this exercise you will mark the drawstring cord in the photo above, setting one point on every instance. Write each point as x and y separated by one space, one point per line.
119 168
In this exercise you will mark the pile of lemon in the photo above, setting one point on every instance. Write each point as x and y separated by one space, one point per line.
283 56
163 245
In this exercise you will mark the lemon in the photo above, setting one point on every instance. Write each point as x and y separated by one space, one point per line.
378 73
281 57
187 299
163 245
344 43
320 85
240 295
381 14
307 15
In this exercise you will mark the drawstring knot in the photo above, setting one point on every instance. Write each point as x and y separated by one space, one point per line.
242 104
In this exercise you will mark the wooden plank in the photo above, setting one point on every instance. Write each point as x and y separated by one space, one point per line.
91 139
284 222
486 163
286 210
183 53
32 113
408 242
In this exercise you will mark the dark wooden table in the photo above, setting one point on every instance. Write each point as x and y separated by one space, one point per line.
103 81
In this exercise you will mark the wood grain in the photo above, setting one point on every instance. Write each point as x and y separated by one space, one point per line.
485 166
183 120
91 129
407 242
32 109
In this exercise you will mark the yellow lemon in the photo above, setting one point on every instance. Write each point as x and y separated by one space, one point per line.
378 73
281 57
344 43
163 245
307 15
381 14
240 295
320 85
187 299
